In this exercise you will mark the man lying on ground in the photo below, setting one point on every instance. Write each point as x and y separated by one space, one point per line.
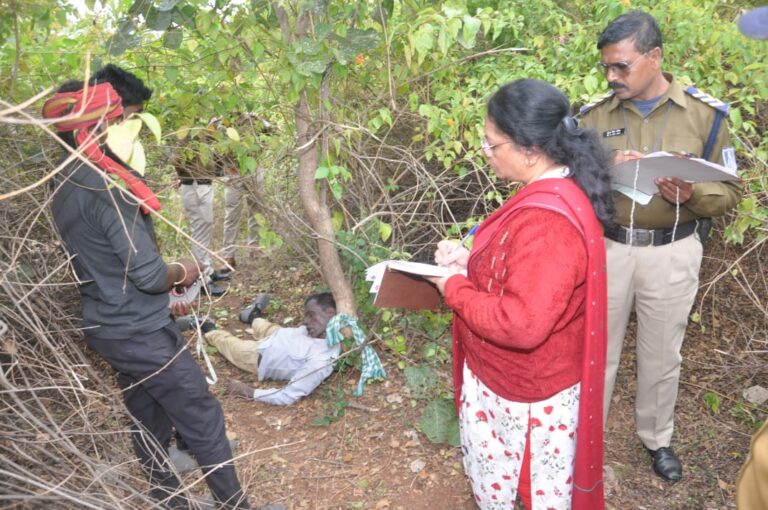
300 355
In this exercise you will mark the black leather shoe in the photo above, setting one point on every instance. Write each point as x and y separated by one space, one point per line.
220 276
212 289
186 322
666 464
256 309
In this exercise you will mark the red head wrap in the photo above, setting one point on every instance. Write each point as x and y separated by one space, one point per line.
95 104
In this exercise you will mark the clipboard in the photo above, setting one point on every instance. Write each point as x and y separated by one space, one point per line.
664 164
399 289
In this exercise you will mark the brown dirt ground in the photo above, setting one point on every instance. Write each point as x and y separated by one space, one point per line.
363 460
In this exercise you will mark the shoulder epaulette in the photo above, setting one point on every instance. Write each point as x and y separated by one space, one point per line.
706 98
584 109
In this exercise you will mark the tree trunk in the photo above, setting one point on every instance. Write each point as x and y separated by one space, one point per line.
319 214
317 210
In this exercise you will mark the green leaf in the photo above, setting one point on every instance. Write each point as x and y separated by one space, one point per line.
337 190
140 7
138 159
323 30
167 5
250 164
386 115
152 124
590 83
337 220
385 230
172 39
120 137
362 40
439 422
322 421
735 117
422 40
311 67
171 73
158 20
421 381
184 16
712 400
233 134
469 31
124 38
321 173
453 11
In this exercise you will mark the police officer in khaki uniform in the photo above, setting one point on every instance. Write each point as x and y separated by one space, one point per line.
196 173
649 111
240 191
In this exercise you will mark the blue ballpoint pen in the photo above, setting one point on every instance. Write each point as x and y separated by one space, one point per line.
466 237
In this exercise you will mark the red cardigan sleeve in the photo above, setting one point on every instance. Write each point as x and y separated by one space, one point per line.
539 260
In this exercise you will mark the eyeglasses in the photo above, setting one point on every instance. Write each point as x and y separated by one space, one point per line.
488 148
621 68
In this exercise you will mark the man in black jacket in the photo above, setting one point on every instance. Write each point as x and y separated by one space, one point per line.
124 285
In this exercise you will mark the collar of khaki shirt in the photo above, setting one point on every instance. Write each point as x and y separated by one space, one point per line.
675 92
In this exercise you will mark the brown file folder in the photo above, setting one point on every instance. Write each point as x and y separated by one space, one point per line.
405 290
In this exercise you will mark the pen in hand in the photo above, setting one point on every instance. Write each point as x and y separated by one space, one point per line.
464 239
449 254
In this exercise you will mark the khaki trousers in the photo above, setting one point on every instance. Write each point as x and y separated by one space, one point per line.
198 204
237 199
233 213
752 483
243 354
660 282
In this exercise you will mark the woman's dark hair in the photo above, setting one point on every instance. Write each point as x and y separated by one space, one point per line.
536 115
638 26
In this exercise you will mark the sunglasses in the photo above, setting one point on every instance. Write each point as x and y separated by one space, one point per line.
620 68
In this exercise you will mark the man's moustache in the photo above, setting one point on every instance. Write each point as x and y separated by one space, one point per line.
616 85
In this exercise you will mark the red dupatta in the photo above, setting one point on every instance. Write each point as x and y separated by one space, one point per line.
563 196
95 104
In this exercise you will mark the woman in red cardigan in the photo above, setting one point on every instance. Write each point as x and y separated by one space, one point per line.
530 314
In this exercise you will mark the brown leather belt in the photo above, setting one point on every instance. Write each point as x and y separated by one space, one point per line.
649 237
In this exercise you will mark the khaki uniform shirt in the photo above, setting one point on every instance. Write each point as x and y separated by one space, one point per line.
678 122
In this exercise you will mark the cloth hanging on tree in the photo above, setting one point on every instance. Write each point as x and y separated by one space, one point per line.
372 367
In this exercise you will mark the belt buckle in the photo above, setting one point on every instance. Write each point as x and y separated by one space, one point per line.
639 237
